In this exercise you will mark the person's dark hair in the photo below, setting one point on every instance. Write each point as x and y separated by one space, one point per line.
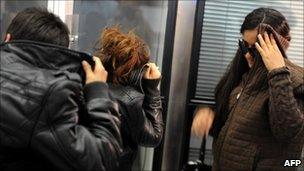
38 24
121 53
239 65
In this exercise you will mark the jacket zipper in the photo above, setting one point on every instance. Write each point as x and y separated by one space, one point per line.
225 135
239 94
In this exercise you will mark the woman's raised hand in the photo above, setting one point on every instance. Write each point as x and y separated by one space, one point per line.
269 50
152 72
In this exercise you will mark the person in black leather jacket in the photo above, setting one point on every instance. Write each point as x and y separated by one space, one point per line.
51 117
133 82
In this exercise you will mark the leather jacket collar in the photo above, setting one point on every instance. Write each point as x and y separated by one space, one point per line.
45 55
136 77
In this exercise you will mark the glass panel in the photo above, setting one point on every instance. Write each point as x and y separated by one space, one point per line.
9 9
147 18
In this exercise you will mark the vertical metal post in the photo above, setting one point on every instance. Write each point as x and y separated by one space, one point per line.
176 116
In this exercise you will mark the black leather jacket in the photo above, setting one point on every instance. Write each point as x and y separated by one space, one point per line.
48 120
141 115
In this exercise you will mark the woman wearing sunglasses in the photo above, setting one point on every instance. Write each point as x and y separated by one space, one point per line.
258 120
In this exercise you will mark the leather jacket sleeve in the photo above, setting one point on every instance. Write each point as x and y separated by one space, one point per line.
286 106
145 117
70 146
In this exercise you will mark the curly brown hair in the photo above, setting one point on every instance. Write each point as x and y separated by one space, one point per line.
121 53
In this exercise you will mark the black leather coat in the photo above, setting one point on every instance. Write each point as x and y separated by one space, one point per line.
45 122
141 115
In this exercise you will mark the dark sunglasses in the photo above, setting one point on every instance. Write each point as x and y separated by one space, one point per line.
244 46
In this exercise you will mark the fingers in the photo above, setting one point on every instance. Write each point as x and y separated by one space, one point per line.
262 42
202 121
99 69
152 72
207 128
88 71
99 73
267 40
147 72
271 55
265 43
152 68
98 64
155 73
210 121
87 67
273 42
259 48
198 124
199 128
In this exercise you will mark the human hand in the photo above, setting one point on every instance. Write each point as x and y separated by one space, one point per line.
152 72
98 74
270 52
202 121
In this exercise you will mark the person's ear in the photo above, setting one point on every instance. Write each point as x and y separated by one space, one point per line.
8 37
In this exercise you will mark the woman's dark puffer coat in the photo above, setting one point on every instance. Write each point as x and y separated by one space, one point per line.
264 127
